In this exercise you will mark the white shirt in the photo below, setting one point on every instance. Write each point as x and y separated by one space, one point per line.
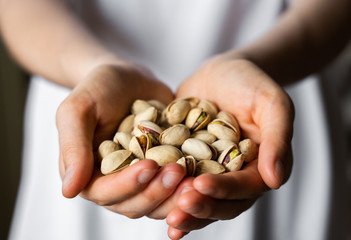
173 38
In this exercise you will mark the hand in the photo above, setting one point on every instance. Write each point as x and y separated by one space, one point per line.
265 114
89 115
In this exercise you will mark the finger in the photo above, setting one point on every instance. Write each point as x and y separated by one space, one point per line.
157 191
184 222
243 184
276 133
167 206
204 207
175 234
75 123
117 187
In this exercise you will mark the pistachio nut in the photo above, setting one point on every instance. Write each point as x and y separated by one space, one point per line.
123 138
139 145
177 110
139 105
197 148
160 106
149 128
209 166
208 107
149 114
164 154
197 119
175 135
116 161
249 149
107 147
204 135
127 124
223 130
229 118
189 163
222 144
231 158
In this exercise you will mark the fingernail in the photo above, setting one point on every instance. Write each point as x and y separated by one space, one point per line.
279 172
171 179
146 175
67 178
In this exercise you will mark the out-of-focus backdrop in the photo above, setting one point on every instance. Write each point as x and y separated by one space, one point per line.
13 88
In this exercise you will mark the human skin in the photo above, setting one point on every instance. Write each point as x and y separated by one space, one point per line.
301 42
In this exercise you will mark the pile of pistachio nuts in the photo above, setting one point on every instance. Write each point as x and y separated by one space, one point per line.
189 131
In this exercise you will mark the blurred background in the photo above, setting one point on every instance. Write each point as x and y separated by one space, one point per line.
13 88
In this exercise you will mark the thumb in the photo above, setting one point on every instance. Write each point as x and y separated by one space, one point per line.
76 124
275 156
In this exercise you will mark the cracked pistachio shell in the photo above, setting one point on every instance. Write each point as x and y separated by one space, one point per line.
204 135
123 138
135 160
249 149
208 107
209 166
127 124
235 164
160 106
197 148
222 144
149 114
231 158
164 154
149 128
139 145
174 135
177 110
116 161
107 147
189 163
139 105
223 130
163 120
229 118
193 101
197 119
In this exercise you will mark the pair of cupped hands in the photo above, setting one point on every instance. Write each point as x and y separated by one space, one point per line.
93 110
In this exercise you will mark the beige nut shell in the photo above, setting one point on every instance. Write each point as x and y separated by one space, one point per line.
123 138
223 130
116 161
192 118
177 111
175 135
107 147
164 154
209 166
127 124
204 135
197 148
249 149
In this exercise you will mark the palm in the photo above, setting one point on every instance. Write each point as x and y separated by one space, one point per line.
91 114
265 114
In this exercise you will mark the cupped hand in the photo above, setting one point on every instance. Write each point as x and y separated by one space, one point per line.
89 115
265 114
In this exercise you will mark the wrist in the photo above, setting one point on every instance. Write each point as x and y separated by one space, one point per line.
76 73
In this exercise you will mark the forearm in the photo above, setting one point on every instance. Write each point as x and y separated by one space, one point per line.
306 38
46 39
